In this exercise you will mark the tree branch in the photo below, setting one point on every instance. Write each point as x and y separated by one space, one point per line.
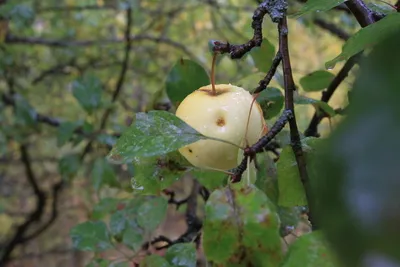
332 28
289 105
276 11
33 217
12 39
121 78
361 12
365 17
312 129
57 188
271 72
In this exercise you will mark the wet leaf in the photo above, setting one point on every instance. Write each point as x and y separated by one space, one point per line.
263 55
185 77
240 227
91 236
317 80
182 255
312 251
318 6
367 37
152 134
151 175
271 102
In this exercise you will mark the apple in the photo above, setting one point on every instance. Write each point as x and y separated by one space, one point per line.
222 114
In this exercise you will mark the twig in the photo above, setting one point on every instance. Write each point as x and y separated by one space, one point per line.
121 78
332 28
41 118
54 213
274 8
34 216
74 8
365 17
271 72
361 12
312 129
12 39
289 105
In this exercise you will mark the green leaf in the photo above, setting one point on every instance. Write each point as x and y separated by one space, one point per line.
267 179
291 190
290 218
126 217
25 114
104 207
356 178
241 221
318 105
87 90
152 134
65 131
98 263
3 144
120 264
185 77
367 37
312 251
151 213
151 175
210 179
316 80
132 238
318 6
69 165
271 102
91 236
138 218
263 55
182 255
103 174
154 261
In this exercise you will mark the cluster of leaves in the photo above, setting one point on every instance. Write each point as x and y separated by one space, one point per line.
243 223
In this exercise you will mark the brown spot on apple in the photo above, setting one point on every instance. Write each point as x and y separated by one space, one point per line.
221 122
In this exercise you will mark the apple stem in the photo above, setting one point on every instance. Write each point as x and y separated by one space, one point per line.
214 92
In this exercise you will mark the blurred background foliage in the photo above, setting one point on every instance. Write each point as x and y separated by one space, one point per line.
50 49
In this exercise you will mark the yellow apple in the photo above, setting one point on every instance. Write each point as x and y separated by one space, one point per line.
222 115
